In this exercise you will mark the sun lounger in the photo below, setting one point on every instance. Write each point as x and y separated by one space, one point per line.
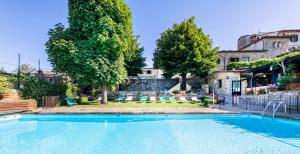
162 98
143 98
120 98
194 98
129 97
171 98
71 101
182 98
152 98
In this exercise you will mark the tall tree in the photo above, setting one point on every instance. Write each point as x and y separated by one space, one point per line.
25 69
2 70
93 48
134 62
183 49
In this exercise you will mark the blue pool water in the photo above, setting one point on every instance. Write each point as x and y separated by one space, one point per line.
149 134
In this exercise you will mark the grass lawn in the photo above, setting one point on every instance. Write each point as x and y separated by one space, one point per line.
186 104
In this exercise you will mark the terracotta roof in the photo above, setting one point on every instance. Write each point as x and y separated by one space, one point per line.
266 37
265 33
243 51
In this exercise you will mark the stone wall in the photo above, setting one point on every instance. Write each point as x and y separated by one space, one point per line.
226 79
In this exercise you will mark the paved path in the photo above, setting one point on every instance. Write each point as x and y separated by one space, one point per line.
132 110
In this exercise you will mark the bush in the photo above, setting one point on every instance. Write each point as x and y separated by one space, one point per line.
5 86
206 101
84 99
238 65
71 90
287 78
36 88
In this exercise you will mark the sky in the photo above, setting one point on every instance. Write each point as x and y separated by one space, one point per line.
24 24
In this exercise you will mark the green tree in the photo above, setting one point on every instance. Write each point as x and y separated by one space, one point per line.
2 70
183 49
93 48
134 62
25 69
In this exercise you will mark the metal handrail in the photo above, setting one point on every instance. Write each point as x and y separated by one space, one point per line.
281 102
269 103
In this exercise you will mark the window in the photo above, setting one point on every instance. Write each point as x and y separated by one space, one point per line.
220 83
149 72
234 59
245 59
294 38
274 44
279 45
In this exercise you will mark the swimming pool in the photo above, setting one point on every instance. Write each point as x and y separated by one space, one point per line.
149 134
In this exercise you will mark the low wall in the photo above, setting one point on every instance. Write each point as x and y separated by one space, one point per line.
17 105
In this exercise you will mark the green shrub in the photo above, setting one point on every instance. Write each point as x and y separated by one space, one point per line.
84 99
71 90
207 101
238 65
36 88
5 86
287 78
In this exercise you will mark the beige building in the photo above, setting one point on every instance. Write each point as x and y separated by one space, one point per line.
250 48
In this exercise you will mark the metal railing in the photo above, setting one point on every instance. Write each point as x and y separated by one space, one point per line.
272 103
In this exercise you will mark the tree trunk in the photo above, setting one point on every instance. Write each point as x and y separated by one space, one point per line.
183 82
103 94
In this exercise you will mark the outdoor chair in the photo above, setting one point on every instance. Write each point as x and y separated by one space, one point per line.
129 97
221 100
152 98
171 98
143 98
162 98
71 101
182 98
194 98
120 98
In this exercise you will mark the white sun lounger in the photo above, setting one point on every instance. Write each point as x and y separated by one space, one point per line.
129 97
152 98
182 98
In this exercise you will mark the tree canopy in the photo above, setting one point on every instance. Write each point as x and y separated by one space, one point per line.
183 49
97 43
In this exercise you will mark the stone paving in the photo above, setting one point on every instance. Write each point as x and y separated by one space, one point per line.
132 110
227 109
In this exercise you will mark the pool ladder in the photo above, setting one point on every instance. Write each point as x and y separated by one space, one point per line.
275 108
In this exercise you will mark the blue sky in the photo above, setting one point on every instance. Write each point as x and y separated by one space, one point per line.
24 24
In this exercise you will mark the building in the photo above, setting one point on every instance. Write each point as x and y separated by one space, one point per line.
259 46
151 73
250 48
